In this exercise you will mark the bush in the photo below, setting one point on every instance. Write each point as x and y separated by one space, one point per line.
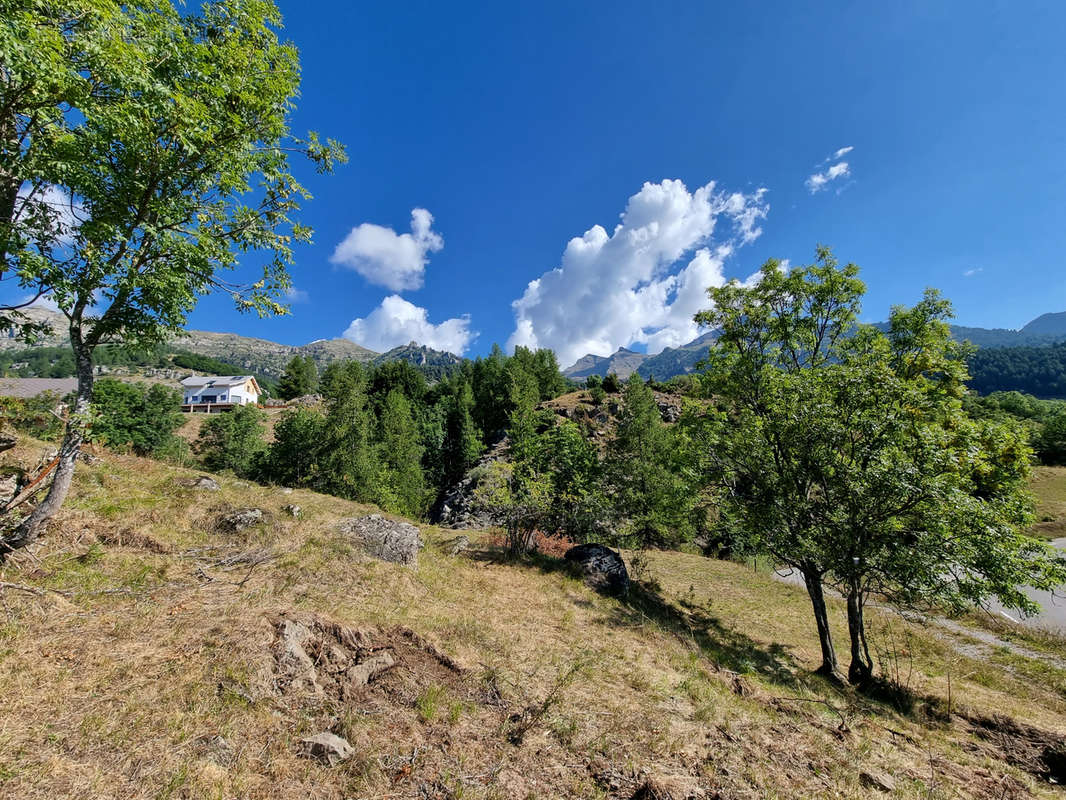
141 418
611 384
34 415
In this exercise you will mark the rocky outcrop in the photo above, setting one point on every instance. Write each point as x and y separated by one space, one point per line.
458 507
203 483
240 519
385 539
604 569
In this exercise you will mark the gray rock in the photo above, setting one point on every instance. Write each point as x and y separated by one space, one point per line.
881 781
240 519
457 545
292 510
604 569
295 666
362 673
204 483
286 490
9 486
669 412
386 539
326 748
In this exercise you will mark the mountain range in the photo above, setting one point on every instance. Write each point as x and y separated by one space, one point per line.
260 356
1045 329
268 358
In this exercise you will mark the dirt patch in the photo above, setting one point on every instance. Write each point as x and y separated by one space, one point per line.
321 658
1040 753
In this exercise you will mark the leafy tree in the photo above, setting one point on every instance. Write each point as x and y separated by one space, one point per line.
1051 441
400 453
654 503
300 378
293 457
611 384
141 417
166 138
232 440
844 452
518 497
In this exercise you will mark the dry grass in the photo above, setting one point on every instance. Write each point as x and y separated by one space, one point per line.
1049 486
193 421
150 675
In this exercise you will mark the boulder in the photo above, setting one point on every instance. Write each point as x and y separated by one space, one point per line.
881 781
669 411
292 510
204 483
326 748
604 569
386 539
454 547
238 520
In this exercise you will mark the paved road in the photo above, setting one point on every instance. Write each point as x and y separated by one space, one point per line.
1053 614
1053 606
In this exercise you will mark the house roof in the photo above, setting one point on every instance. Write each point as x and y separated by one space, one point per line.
31 387
211 381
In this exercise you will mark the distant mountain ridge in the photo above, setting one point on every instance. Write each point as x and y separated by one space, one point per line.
673 361
262 356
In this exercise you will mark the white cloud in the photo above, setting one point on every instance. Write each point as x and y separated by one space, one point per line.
816 182
643 282
839 154
396 322
382 256
64 215
294 295
971 272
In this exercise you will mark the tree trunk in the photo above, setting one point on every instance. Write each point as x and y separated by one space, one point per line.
860 670
830 668
77 427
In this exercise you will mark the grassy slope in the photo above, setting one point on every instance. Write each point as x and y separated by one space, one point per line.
121 686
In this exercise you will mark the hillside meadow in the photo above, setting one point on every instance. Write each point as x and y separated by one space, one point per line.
139 659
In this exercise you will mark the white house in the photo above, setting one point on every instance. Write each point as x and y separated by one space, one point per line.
217 393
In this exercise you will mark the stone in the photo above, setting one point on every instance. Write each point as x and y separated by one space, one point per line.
326 748
454 547
204 483
604 569
669 412
286 490
669 787
292 510
881 781
9 486
389 540
295 666
240 519
369 668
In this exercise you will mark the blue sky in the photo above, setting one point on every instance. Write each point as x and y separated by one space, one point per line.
519 126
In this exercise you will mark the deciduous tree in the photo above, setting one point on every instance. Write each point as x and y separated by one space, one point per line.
168 136
844 452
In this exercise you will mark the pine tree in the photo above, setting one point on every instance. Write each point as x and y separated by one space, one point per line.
400 452
300 378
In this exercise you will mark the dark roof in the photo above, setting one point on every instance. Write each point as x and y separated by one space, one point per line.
31 387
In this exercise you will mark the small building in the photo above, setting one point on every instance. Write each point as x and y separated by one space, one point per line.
210 393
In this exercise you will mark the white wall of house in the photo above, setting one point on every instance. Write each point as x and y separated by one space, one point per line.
237 394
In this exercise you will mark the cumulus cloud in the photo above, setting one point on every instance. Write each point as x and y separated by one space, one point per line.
643 282
382 256
818 181
294 295
396 322
62 212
